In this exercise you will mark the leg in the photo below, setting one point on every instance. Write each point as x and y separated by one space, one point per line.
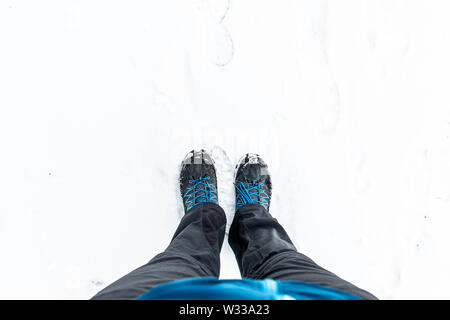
263 250
193 252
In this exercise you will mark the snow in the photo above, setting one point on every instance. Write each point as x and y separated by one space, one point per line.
347 101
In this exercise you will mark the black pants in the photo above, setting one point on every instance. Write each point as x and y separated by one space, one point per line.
261 245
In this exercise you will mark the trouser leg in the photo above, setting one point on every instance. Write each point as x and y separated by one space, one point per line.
193 252
264 250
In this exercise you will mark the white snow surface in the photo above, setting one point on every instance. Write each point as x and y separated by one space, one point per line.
347 101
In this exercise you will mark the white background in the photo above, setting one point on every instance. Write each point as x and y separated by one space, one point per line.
347 101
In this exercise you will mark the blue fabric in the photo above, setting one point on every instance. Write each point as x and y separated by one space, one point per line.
250 192
200 192
245 289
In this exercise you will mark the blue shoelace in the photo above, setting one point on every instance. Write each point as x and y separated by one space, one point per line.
251 192
200 191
